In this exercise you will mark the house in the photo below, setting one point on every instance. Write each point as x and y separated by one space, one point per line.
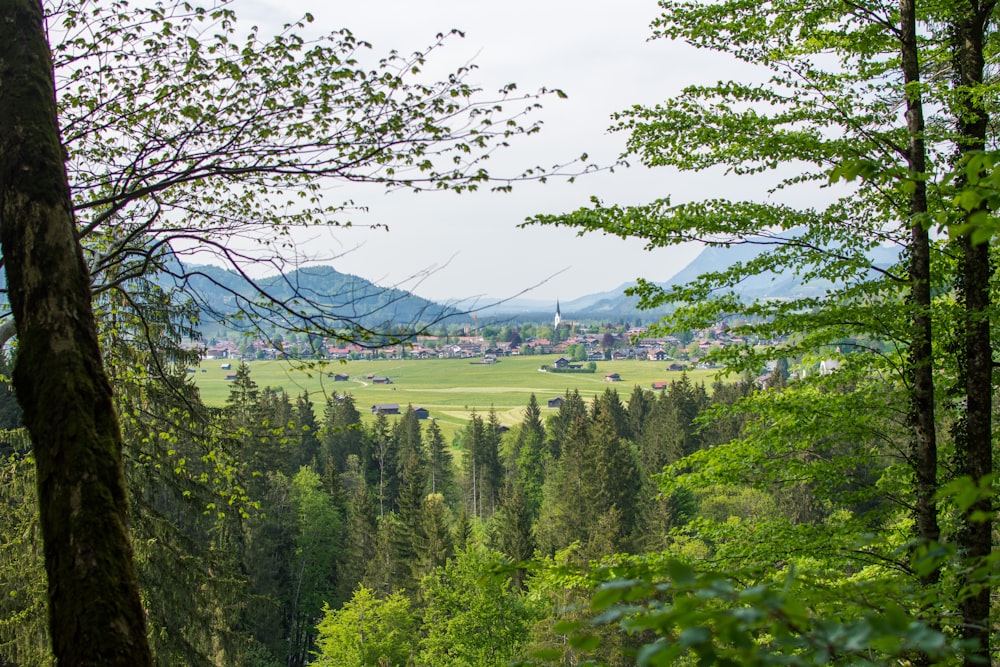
385 409
230 376
612 377
556 402
381 380
341 377
421 413
828 366
657 355
562 363
659 386
226 367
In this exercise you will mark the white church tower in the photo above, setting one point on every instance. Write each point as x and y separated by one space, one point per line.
558 317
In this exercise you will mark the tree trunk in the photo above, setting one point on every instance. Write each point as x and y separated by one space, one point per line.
921 369
974 435
95 613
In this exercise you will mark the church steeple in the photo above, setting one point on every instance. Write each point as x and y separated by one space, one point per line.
558 317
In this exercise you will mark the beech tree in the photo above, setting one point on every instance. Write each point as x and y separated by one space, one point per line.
892 97
95 614
187 132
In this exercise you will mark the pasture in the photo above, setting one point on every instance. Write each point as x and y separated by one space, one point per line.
451 389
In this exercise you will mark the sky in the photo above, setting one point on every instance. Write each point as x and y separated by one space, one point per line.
450 247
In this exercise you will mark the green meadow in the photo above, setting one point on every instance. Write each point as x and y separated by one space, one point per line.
451 389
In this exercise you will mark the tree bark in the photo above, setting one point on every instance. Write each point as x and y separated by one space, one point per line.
95 613
921 353
973 445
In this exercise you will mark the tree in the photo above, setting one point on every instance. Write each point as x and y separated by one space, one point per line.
318 537
889 96
530 457
367 631
180 130
512 532
95 614
407 525
440 473
472 619
308 445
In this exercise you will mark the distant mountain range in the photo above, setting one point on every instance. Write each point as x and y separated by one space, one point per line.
224 293
310 291
615 303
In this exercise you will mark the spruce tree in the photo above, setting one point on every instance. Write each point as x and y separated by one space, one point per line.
571 408
440 470
532 458
307 433
512 533
408 526
342 434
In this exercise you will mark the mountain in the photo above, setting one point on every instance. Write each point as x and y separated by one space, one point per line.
313 290
616 304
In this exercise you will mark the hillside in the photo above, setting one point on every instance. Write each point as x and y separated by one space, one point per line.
309 291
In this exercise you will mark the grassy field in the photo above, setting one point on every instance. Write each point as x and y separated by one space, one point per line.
449 388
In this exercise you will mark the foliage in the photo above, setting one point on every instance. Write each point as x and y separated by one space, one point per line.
187 132
750 618
472 616
367 631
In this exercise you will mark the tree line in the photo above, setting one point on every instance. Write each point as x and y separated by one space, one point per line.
262 526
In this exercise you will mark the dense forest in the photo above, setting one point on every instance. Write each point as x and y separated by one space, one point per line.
273 531
845 517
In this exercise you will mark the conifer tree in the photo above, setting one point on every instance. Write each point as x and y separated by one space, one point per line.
360 533
609 405
384 460
532 457
408 526
571 408
408 437
342 435
435 544
639 404
440 470
307 433
512 533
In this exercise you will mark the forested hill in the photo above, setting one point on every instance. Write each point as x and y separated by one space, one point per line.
314 289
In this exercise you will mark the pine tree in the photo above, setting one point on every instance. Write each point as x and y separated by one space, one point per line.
689 400
610 404
408 438
360 531
435 545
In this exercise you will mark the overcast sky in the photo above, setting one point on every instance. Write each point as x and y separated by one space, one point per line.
599 54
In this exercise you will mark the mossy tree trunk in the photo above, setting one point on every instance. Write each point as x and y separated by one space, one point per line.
974 442
95 613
